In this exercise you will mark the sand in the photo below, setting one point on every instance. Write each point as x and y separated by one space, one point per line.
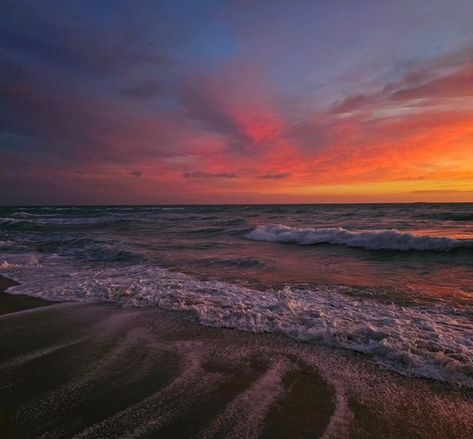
69 369
11 303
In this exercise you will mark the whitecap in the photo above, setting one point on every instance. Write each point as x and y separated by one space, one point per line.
370 239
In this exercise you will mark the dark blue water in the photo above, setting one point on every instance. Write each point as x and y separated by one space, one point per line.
392 281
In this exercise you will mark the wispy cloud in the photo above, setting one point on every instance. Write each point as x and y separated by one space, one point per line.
280 176
202 174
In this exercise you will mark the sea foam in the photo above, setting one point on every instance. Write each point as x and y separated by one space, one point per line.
431 341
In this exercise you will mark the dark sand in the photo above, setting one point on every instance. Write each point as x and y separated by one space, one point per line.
103 371
10 303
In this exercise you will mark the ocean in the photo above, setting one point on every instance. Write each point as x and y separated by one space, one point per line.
393 282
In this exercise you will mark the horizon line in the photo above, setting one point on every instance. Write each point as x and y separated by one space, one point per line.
235 204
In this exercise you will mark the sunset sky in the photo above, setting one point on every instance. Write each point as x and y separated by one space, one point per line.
243 101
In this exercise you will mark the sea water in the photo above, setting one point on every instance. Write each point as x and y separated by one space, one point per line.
392 281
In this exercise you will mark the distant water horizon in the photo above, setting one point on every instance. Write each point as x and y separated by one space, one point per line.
393 281
355 203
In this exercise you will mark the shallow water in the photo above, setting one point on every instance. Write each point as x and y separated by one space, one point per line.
394 282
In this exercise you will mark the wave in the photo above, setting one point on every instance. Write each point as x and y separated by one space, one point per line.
13 221
102 252
236 263
234 222
234 226
22 215
207 231
370 240
429 341
30 220
10 246
455 216
20 261
65 208
80 248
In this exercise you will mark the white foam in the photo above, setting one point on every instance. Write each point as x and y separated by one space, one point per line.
245 415
18 260
371 240
432 341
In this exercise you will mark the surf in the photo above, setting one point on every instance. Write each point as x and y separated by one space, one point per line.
370 240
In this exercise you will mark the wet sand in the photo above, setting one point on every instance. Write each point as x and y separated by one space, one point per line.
100 371
11 303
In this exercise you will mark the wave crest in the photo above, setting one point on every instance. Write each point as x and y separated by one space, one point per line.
370 240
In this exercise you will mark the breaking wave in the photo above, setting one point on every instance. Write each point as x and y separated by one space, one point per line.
429 341
370 240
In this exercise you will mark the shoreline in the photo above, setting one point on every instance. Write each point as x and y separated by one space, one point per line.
99 369
10 303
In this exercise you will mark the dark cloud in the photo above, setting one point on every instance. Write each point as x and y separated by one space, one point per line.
136 173
142 91
73 124
204 101
59 62
352 103
64 36
439 191
280 176
457 84
203 174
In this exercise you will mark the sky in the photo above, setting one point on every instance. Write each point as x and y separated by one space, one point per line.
242 101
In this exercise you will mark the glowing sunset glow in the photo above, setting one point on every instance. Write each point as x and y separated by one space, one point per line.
236 102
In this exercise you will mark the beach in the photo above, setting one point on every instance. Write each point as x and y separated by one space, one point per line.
9 303
236 219
236 321
88 370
